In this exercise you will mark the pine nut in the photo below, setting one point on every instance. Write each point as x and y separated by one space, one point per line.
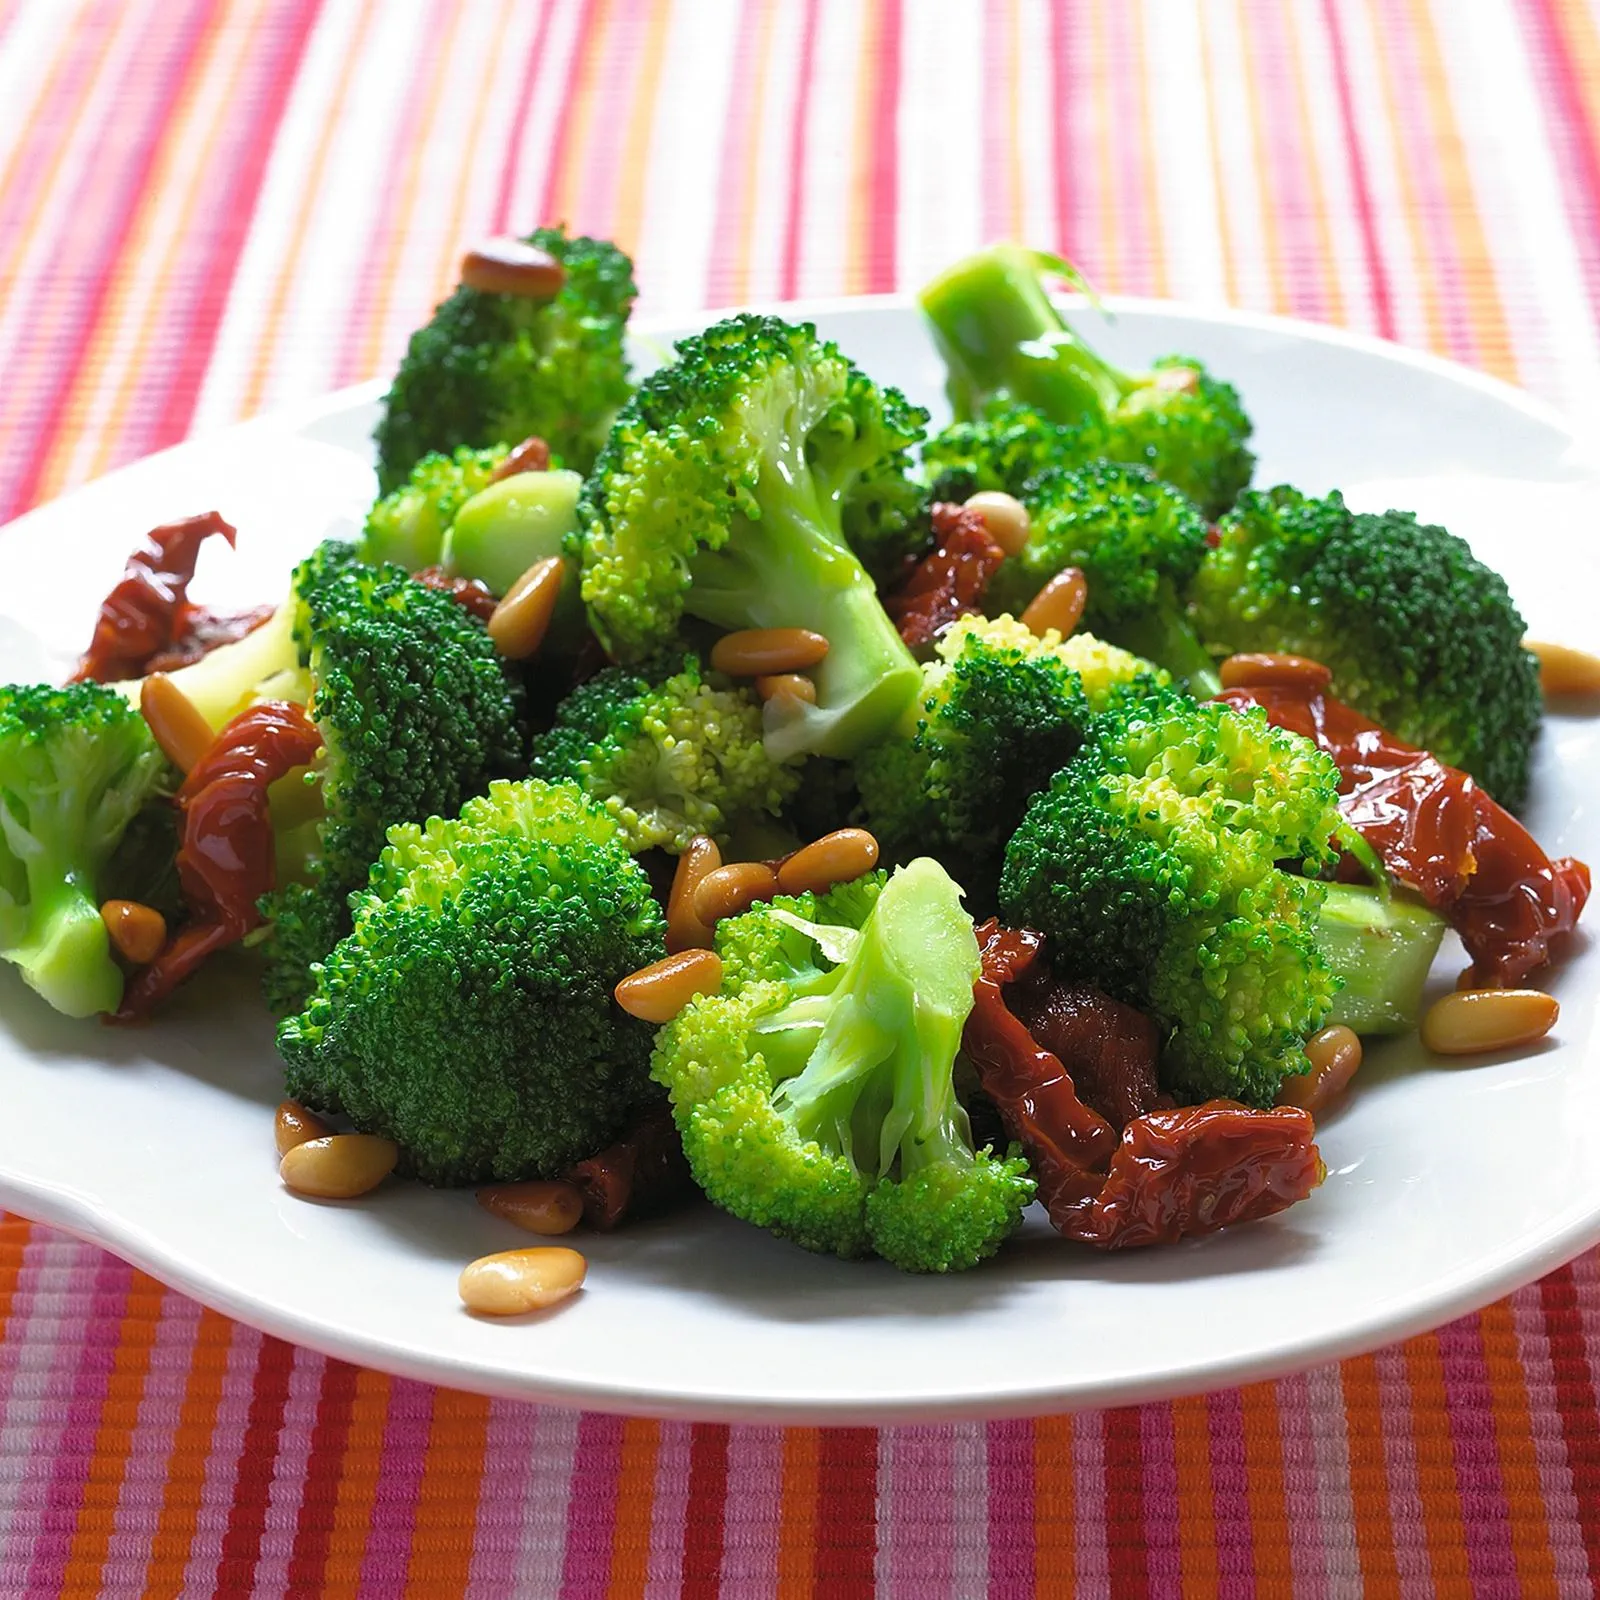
657 993
1563 670
519 623
513 1281
339 1166
541 1207
685 931
294 1125
138 931
175 722
1334 1054
1058 605
532 455
1176 380
508 266
1474 1020
1004 516
730 891
761 652
838 857
794 684
1266 670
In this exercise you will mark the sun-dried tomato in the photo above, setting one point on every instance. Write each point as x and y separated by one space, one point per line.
1438 833
226 861
471 593
642 1174
148 611
951 582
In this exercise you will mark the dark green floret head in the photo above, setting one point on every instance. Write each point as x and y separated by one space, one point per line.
469 1014
722 495
77 765
1419 635
815 1093
494 368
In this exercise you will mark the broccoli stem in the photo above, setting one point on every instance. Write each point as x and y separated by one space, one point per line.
998 331
1162 634
66 957
1382 947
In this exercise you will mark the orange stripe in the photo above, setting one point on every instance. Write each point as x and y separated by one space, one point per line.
1055 1545
755 137
627 214
446 1520
186 1463
1108 235
1269 1505
1529 1526
1197 1522
1369 1478
592 52
1011 171
797 1524
636 1493
857 269
333 119
15 1233
358 1487
113 1441
1436 1464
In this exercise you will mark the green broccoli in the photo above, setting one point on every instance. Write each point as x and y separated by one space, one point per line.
417 712
77 765
814 1091
468 1016
408 525
720 493
667 754
492 369
1000 712
1419 635
1152 866
1138 543
1000 335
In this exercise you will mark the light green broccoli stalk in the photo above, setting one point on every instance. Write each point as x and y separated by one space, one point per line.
408 525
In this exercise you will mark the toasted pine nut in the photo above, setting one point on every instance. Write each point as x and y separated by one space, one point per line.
175 722
685 931
1266 670
532 455
1474 1020
1334 1054
794 684
513 1281
549 1207
1177 380
339 1166
519 622
761 652
1058 605
838 857
657 993
508 266
293 1125
1563 670
138 931
730 891
1004 516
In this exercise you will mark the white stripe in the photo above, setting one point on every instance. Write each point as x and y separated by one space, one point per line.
752 1512
540 131
548 1488
969 1554
831 147
293 1459
669 1514
35 36
1407 1518
777 162
1093 1560
1036 114
1336 1512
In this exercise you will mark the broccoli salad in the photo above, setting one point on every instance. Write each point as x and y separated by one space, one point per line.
724 787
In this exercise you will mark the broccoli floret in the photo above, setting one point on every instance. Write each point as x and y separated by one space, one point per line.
1419 635
886 520
494 368
417 712
667 754
1152 866
1138 544
1000 712
408 525
1000 335
76 767
468 1016
1002 447
814 1091
720 493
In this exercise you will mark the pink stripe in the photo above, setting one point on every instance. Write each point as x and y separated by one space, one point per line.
752 1512
1091 1560
1158 1445
101 1333
741 138
883 153
394 1505
1230 1495
1072 240
619 71
591 1507
1010 1510
508 1451
1406 1515
1302 1497
794 212
670 1510
1128 218
564 123
916 1493
517 134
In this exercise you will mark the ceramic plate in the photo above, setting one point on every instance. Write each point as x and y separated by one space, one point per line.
1448 1185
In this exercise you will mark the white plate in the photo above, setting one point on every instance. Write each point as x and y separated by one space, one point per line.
1448 1185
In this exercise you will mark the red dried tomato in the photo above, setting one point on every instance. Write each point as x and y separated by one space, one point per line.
473 594
951 582
642 1174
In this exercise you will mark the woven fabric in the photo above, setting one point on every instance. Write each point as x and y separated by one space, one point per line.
208 207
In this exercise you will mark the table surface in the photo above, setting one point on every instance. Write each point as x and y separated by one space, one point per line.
208 207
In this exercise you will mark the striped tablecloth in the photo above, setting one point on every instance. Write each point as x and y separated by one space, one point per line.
211 206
